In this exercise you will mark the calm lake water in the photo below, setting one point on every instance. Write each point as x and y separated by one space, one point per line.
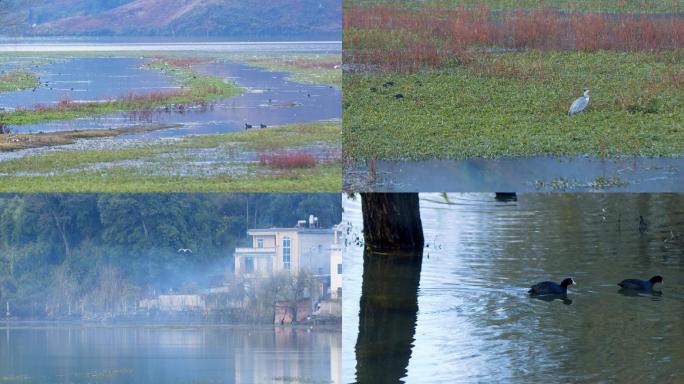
270 99
464 315
173 354
86 79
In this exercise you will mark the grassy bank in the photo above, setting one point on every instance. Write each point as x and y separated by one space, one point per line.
435 81
515 104
17 80
197 89
303 68
162 167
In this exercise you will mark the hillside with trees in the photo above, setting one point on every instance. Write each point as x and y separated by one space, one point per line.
60 251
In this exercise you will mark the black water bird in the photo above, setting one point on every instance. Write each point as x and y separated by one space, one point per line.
373 89
643 226
388 84
506 196
398 96
551 288
262 125
248 126
640 285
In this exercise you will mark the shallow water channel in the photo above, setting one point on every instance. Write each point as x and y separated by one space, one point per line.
269 98
522 174
460 312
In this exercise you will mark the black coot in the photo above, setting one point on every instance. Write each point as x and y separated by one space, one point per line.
640 285
551 288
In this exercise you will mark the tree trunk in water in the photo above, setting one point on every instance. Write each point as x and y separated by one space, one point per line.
391 221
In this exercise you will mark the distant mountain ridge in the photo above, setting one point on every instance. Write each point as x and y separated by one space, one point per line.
178 17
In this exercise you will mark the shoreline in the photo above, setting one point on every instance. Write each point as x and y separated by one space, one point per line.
21 141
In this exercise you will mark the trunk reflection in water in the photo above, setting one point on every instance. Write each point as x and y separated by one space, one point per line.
388 312
468 316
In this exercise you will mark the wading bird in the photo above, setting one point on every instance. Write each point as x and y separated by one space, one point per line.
580 104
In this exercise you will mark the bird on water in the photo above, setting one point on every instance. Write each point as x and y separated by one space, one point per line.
580 104
551 288
640 285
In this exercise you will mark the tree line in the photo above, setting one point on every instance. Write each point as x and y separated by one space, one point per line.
60 251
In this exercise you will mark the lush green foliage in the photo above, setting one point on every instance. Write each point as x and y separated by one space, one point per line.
84 249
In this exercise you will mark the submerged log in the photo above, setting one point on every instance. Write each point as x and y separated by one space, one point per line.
391 221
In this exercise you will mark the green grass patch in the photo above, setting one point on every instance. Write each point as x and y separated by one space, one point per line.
15 81
514 104
293 135
323 178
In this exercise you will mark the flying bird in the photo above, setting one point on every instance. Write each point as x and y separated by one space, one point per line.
184 250
580 104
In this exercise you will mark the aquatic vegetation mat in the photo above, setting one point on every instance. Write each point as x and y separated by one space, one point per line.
225 162
460 79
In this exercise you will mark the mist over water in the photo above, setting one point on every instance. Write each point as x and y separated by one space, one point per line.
475 321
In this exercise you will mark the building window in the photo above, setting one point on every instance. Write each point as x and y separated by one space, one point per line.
260 243
286 253
249 265
339 269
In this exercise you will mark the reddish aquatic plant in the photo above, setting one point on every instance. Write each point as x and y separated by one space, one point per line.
287 160
405 39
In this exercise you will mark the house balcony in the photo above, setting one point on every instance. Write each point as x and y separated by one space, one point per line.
255 251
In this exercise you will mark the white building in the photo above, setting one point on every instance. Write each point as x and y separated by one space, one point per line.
336 263
303 247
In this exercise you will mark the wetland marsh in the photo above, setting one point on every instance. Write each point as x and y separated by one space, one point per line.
104 118
459 81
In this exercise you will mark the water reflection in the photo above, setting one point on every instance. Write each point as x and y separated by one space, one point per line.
388 312
161 354
549 298
476 321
